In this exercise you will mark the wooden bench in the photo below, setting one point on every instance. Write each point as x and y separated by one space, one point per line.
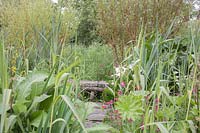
93 87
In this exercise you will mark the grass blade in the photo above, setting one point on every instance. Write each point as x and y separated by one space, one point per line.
5 106
3 68
68 102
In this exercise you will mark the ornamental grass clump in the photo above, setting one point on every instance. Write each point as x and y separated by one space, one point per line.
37 29
26 18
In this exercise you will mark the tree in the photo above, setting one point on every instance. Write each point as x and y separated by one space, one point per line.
120 21
86 33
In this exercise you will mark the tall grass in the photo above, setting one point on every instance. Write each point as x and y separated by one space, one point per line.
32 36
5 92
3 69
96 61
164 72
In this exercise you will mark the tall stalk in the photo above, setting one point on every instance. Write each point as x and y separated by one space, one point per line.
4 90
3 68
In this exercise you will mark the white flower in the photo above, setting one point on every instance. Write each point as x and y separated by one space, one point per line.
120 71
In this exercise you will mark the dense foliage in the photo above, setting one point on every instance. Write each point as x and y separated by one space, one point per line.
35 34
86 33
119 21
46 48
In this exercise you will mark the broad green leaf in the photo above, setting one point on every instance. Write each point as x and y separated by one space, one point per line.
36 118
36 89
24 88
37 100
46 104
19 108
41 98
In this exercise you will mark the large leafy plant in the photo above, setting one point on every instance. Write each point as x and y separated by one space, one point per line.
44 102
31 105
130 106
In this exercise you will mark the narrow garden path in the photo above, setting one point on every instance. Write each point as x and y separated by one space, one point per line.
98 115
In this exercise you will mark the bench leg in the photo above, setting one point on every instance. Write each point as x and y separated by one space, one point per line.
91 95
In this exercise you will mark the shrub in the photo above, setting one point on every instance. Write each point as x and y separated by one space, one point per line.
86 33
119 21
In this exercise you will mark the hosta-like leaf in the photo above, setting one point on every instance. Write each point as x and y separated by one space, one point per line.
36 89
24 88
37 100
19 108
130 106
36 118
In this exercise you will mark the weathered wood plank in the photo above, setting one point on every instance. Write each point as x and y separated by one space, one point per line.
97 86
92 86
93 89
85 83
